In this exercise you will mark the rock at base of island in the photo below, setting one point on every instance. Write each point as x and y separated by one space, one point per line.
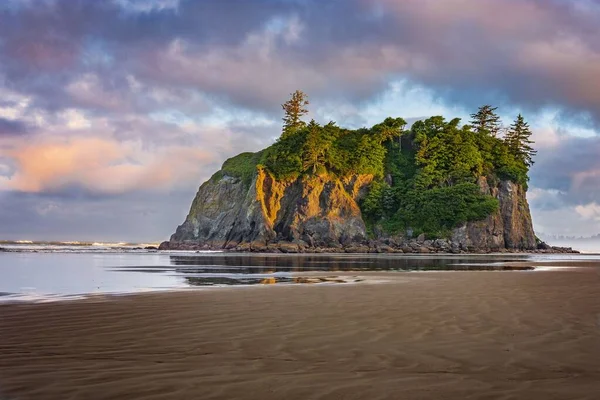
413 246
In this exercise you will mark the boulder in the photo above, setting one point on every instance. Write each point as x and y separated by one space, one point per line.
357 249
288 247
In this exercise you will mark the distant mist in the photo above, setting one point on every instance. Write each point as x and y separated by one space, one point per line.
590 244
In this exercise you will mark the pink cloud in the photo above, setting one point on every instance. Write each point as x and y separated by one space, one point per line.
42 51
103 166
587 177
589 211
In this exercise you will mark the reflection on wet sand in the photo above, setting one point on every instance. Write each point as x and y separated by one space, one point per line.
26 276
220 281
241 269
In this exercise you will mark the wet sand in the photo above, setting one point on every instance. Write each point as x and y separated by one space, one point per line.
442 335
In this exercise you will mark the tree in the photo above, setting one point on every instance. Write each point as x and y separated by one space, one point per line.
390 129
294 109
315 148
518 140
447 154
486 121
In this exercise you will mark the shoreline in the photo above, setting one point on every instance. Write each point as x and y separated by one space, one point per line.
308 278
413 246
320 277
321 251
453 335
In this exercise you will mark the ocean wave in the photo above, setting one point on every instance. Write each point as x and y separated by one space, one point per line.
72 246
51 298
38 298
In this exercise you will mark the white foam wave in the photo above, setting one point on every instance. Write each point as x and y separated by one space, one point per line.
51 298
74 247
39 298
101 244
557 268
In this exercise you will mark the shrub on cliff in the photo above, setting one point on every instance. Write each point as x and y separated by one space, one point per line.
242 166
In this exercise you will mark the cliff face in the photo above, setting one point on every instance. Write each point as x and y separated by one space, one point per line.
322 212
318 212
508 228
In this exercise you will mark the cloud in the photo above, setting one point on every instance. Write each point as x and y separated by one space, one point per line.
529 53
139 216
102 166
10 127
116 98
88 91
564 221
145 6
591 211
570 166
566 186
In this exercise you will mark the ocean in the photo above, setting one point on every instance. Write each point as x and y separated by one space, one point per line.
40 272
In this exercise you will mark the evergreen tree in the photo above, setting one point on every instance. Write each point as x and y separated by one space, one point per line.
315 148
486 121
389 129
519 142
294 110
430 186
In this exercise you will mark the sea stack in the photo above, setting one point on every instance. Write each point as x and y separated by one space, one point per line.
323 213
437 187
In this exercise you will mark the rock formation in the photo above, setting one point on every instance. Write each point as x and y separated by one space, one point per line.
508 228
321 213
464 189
314 212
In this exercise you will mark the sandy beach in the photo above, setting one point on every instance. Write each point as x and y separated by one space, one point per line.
442 335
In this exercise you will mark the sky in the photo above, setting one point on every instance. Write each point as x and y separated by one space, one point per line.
113 112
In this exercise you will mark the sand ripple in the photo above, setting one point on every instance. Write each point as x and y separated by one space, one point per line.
459 335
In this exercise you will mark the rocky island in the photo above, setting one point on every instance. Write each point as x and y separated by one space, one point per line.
437 187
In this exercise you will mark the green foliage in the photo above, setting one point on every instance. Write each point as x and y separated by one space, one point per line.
215 177
242 166
373 203
284 158
446 154
424 179
440 209
369 156
433 182
389 129
519 143
316 147
434 212
294 109
485 121
329 149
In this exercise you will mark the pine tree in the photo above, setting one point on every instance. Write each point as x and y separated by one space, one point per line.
389 129
519 142
486 121
315 148
294 109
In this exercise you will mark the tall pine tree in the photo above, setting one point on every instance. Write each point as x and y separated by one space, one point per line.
294 110
518 140
486 121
